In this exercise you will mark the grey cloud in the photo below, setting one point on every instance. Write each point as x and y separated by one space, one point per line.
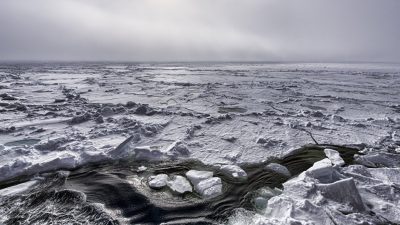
140 30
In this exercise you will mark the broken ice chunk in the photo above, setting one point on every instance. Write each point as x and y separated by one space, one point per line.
334 156
209 188
378 159
343 191
386 175
177 149
279 169
261 140
195 176
142 168
234 171
106 111
80 118
158 181
322 171
179 185
147 154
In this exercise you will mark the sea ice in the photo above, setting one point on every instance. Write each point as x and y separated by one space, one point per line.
209 188
179 184
343 191
18 189
156 105
278 168
158 181
142 168
145 153
195 176
322 171
334 156
377 159
176 150
234 171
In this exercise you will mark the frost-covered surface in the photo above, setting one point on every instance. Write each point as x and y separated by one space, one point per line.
64 115
158 181
60 116
204 183
179 184
328 194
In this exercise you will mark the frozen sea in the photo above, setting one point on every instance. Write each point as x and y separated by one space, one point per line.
78 142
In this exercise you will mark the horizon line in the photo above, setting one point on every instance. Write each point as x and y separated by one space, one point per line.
199 61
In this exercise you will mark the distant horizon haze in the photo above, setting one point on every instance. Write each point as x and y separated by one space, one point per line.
308 31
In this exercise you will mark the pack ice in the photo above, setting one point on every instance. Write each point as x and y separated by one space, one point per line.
330 194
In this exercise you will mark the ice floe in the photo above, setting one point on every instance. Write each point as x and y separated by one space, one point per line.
209 188
277 168
334 156
179 184
195 176
325 194
234 171
158 181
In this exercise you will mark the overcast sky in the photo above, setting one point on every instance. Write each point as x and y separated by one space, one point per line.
198 30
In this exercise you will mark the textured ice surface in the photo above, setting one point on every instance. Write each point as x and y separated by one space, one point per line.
209 188
55 116
195 176
18 189
356 195
158 181
218 113
179 184
234 171
334 156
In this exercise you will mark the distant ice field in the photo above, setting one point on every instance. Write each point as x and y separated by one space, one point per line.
64 115
199 143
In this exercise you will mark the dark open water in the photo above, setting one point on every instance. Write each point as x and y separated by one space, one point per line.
79 197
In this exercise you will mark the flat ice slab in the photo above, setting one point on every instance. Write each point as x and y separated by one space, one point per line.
209 188
179 185
322 171
158 181
195 176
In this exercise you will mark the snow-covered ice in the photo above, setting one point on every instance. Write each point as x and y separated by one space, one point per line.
234 171
179 184
18 189
158 181
209 188
62 116
317 197
195 176
334 156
